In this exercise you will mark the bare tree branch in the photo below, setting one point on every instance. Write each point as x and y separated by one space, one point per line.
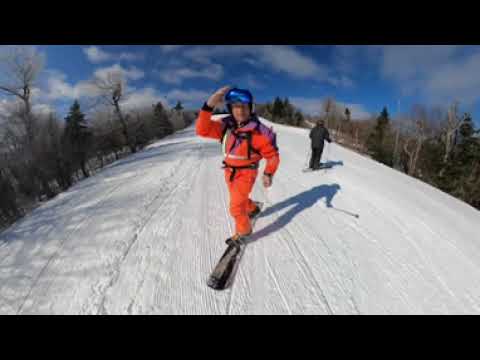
416 128
111 90
452 125
20 67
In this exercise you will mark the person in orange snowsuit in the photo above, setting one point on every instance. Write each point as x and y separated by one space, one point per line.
245 141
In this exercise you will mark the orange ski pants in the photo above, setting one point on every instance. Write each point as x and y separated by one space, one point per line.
240 204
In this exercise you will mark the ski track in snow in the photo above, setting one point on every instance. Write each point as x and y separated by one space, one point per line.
138 234
143 234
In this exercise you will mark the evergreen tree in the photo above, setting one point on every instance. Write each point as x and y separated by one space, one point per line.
277 110
8 203
281 111
77 137
298 118
347 123
459 174
142 132
163 126
377 143
288 111
178 107
347 114
430 160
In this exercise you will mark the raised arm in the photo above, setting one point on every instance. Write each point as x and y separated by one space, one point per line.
205 126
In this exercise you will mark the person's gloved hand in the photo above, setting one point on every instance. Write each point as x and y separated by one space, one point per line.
267 180
217 97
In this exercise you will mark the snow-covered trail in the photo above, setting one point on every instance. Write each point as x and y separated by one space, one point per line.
142 236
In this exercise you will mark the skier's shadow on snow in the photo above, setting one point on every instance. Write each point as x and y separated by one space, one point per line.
329 165
332 164
297 204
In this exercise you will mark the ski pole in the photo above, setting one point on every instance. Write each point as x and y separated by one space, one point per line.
267 197
308 158
346 212
328 149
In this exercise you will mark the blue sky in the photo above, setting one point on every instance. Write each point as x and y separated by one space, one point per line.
365 78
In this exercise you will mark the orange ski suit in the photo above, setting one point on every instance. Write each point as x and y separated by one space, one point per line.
241 165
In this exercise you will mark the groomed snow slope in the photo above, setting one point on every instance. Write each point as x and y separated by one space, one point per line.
142 236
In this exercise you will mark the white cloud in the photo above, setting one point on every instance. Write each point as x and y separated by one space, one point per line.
43 109
190 97
132 73
406 62
128 56
313 106
9 106
307 105
97 55
289 60
411 67
341 81
35 93
177 75
143 98
439 74
170 48
59 88
344 58
248 81
253 82
436 74
458 80
357 111
253 62
280 57
349 59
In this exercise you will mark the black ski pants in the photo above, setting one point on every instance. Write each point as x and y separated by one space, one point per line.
316 156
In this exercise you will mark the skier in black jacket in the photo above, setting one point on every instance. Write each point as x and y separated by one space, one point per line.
318 135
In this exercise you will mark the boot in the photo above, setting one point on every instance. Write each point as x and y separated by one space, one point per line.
255 212
237 239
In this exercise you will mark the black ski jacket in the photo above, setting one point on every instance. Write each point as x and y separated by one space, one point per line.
318 135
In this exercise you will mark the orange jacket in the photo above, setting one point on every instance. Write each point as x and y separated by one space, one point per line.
236 147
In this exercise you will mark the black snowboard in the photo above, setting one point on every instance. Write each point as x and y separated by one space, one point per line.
224 272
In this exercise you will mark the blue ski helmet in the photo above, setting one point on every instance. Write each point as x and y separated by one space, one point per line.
235 96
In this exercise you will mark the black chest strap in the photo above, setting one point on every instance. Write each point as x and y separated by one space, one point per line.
243 136
253 166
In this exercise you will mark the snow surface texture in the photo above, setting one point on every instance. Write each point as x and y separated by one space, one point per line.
142 236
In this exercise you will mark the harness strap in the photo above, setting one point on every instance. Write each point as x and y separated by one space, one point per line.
244 136
229 129
253 166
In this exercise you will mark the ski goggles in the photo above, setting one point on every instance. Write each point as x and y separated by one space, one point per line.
238 96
